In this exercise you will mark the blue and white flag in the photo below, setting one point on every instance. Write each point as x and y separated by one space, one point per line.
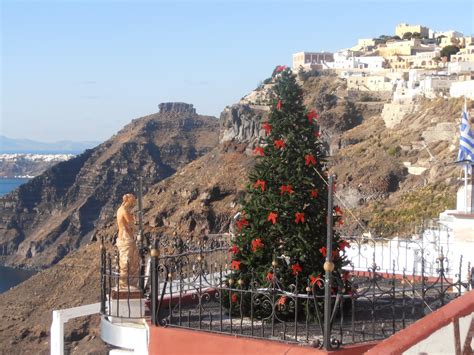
466 141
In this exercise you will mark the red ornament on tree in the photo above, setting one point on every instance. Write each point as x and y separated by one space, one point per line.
315 280
234 298
270 276
278 107
259 183
310 159
314 193
296 268
279 144
338 210
234 250
323 251
312 115
286 188
281 301
272 217
259 151
241 223
267 127
299 217
235 265
343 244
256 244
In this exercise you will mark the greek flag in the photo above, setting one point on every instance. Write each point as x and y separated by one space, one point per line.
466 141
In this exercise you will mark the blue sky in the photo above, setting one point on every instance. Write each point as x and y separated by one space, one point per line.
81 70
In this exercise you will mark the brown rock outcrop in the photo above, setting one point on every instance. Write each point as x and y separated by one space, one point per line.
63 208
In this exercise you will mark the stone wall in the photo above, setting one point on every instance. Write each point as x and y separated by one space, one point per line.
393 113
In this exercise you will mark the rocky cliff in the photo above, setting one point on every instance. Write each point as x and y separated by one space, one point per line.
62 209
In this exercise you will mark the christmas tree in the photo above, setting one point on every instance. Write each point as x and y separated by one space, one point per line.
281 234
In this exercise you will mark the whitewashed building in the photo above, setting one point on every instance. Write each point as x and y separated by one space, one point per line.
347 60
460 67
462 89
436 85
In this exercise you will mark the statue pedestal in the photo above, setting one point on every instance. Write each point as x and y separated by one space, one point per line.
126 293
124 306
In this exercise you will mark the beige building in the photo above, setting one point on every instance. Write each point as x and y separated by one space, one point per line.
464 55
369 83
305 59
425 60
422 60
406 47
398 62
403 28
456 41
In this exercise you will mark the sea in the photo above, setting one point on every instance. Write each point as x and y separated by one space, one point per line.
7 185
10 277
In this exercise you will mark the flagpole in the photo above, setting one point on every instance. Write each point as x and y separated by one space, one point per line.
465 188
465 167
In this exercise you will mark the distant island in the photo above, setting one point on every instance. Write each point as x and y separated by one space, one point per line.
27 166
13 146
25 158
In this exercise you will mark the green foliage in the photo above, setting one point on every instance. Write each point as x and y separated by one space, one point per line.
416 206
304 75
385 38
368 98
285 182
407 35
448 51
394 151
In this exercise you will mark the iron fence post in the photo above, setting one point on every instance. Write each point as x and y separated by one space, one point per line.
154 284
328 267
102 276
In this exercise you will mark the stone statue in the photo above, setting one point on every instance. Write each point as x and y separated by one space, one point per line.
129 260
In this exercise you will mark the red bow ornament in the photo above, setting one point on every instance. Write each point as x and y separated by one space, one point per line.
299 217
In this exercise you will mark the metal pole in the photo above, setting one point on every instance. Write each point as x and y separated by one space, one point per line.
154 284
102 275
465 164
465 188
328 268
141 281
140 210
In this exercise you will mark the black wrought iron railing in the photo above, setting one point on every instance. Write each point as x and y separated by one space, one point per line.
189 286
121 294
193 290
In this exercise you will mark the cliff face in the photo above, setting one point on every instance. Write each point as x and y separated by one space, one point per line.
61 209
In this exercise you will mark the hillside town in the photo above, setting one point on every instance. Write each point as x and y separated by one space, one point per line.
415 61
